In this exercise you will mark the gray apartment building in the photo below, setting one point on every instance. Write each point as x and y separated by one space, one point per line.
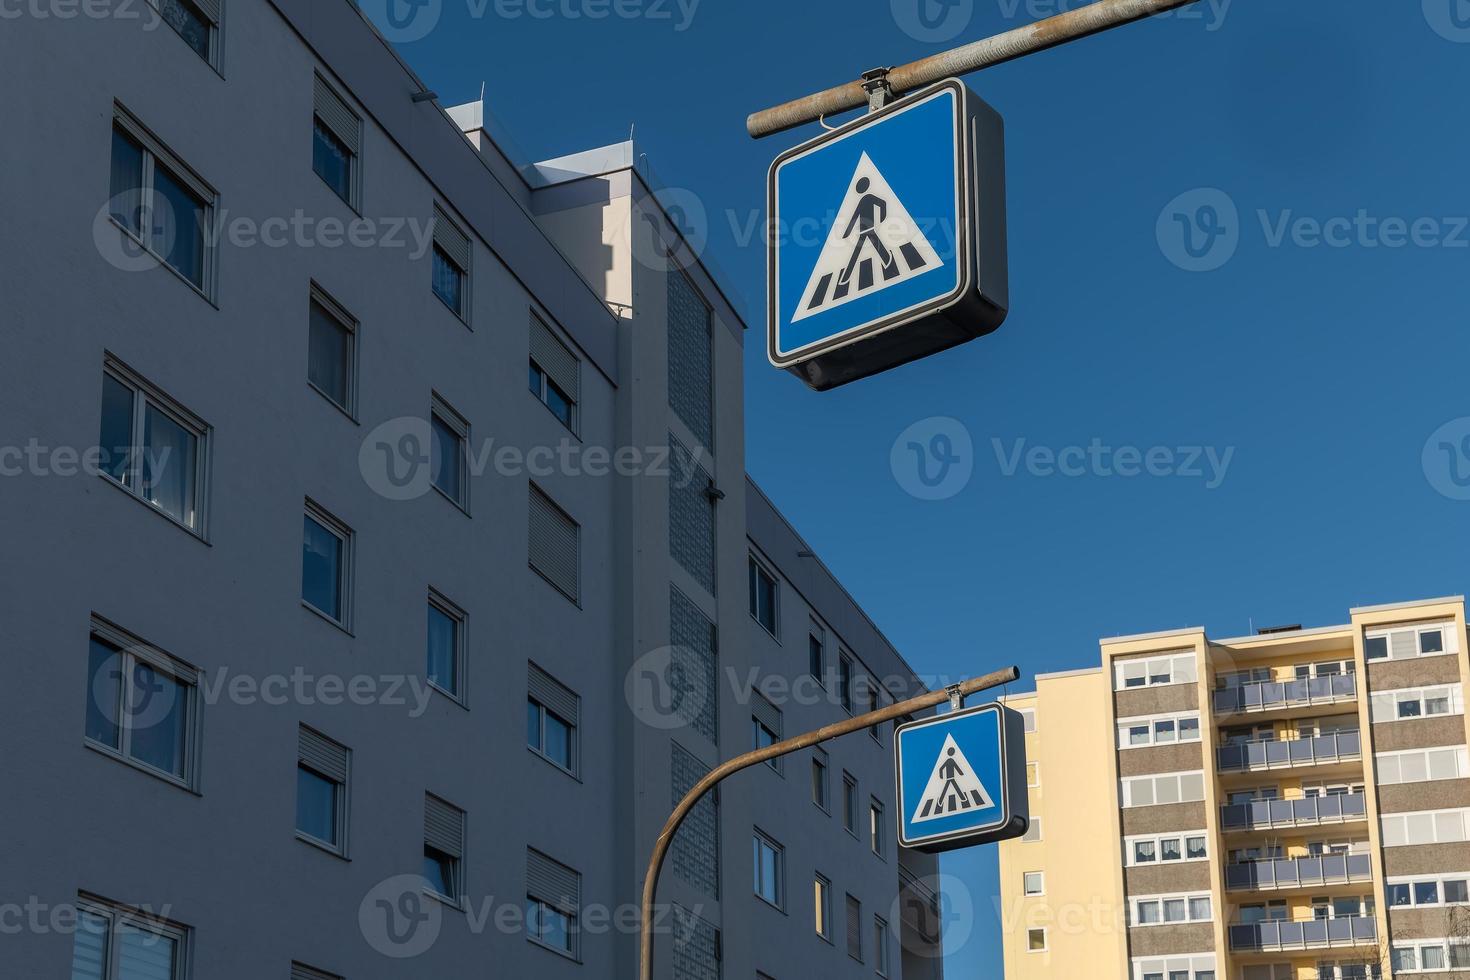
381 562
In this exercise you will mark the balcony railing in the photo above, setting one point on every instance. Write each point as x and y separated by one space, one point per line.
1349 971
1269 695
1250 756
1278 814
1273 937
1329 869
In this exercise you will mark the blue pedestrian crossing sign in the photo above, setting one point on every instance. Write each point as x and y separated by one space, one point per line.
888 238
962 779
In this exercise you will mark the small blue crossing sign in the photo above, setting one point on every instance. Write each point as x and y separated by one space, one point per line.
961 779
887 238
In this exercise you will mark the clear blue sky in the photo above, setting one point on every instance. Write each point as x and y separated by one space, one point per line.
1325 368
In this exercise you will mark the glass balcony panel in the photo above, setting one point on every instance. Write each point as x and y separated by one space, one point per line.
1360 865
1304 750
1292 933
1337 930
1364 927
1355 805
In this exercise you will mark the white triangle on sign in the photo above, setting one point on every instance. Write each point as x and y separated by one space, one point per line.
953 789
874 244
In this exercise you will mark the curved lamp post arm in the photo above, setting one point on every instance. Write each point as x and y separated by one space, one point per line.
749 759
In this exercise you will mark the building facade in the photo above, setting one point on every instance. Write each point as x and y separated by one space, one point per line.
381 536
1293 805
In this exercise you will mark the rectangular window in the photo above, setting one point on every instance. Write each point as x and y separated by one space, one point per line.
1423 765
1416 702
1036 940
321 790
1166 848
1028 720
555 541
763 596
451 270
326 566
822 907
821 778
197 22
1425 827
114 942
445 646
1033 774
443 849
766 727
1178 668
880 946
816 652
142 704
331 362
161 204
854 928
844 681
555 377
1034 883
1170 909
1185 787
1158 730
1409 642
553 718
153 447
770 860
849 803
1033 831
449 453
336 144
876 829
553 904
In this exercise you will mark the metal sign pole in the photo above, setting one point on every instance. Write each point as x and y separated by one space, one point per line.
1040 36
749 759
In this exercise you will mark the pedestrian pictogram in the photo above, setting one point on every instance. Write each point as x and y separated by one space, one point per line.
953 787
874 243
961 779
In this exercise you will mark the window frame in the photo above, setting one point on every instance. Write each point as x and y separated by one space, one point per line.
438 601
761 843
877 829
823 762
1149 662
816 632
822 907
442 413
1161 903
350 325
1152 723
118 915
437 249
573 423
215 55
880 945
154 151
345 575
1026 890
342 790
850 805
146 395
758 569
131 649
574 750
1045 946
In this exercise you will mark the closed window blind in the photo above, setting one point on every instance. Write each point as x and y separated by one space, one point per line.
766 713
553 695
320 753
555 545
455 243
554 883
443 826
854 928
211 9
336 116
555 358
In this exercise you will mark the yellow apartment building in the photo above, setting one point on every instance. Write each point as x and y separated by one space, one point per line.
1293 805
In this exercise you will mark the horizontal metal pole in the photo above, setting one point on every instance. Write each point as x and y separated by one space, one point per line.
716 776
1040 36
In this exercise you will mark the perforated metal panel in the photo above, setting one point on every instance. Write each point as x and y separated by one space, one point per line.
691 516
691 365
443 826
322 754
695 854
696 944
695 660
555 545
336 116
